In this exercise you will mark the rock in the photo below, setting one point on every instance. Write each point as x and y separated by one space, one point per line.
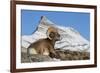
40 58
64 55
24 58
36 58
73 55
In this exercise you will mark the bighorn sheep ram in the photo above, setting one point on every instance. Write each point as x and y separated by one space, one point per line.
45 46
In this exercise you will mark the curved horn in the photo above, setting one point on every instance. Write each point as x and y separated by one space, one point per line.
48 33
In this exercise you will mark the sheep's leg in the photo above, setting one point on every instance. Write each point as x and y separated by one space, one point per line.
54 54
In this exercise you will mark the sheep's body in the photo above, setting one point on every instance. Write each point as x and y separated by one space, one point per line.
42 46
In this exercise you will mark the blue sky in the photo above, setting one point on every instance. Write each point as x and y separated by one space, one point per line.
78 20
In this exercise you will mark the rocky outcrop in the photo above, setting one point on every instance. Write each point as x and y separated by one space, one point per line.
65 55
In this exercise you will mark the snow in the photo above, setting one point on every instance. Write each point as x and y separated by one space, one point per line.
70 38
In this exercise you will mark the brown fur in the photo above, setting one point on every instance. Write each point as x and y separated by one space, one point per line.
46 46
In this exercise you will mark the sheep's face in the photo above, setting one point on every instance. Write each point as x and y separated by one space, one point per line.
54 36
